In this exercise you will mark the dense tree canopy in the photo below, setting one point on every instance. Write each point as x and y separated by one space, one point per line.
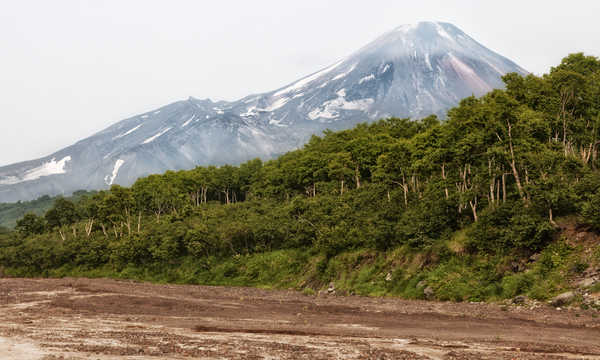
502 167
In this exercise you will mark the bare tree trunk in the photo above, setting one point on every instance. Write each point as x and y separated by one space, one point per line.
139 224
405 189
503 187
88 227
342 188
128 224
551 217
492 198
498 191
513 162
474 208
444 177
62 236
492 190
357 177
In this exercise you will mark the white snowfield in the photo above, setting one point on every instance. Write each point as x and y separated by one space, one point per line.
110 179
366 78
330 109
345 73
189 121
51 167
127 132
305 81
151 139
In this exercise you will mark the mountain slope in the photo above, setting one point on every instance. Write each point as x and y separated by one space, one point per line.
411 71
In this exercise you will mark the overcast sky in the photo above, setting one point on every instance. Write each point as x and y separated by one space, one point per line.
69 68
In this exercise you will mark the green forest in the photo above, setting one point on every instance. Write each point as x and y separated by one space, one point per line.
11 212
459 206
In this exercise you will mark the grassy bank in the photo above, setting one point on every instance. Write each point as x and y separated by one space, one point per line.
446 271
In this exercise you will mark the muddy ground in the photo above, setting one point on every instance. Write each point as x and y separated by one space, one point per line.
108 319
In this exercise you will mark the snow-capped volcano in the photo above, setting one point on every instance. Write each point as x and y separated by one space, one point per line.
411 71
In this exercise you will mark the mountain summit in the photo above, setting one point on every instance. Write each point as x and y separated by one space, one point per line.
411 71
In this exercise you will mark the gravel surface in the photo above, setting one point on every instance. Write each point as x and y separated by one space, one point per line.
108 319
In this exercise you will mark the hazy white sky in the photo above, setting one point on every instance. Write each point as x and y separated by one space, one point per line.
69 68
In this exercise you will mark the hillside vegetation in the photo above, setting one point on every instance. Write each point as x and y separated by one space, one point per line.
452 210
11 212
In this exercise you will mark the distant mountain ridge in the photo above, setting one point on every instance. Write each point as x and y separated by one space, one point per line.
411 71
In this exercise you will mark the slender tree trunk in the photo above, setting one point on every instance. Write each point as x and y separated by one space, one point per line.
513 162
342 188
357 177
444 177
492 198
492 195
474 208
128 224
405 190
139 224
551 217
503 187
226 192
498 191
88 227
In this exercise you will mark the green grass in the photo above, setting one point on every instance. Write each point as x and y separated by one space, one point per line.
453 275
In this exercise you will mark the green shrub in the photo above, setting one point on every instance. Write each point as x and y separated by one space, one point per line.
517 284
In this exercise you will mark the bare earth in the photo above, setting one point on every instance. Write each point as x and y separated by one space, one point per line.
108 319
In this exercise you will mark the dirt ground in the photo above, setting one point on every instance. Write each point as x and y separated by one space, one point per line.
106 319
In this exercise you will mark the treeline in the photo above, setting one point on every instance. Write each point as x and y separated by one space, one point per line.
502 167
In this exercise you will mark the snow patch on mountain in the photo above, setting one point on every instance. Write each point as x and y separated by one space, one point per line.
305 81
331 109
345 73
51 167
127 132
189 121
366 78
406 28
109 179
251 111
152 138
277 104
442 32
